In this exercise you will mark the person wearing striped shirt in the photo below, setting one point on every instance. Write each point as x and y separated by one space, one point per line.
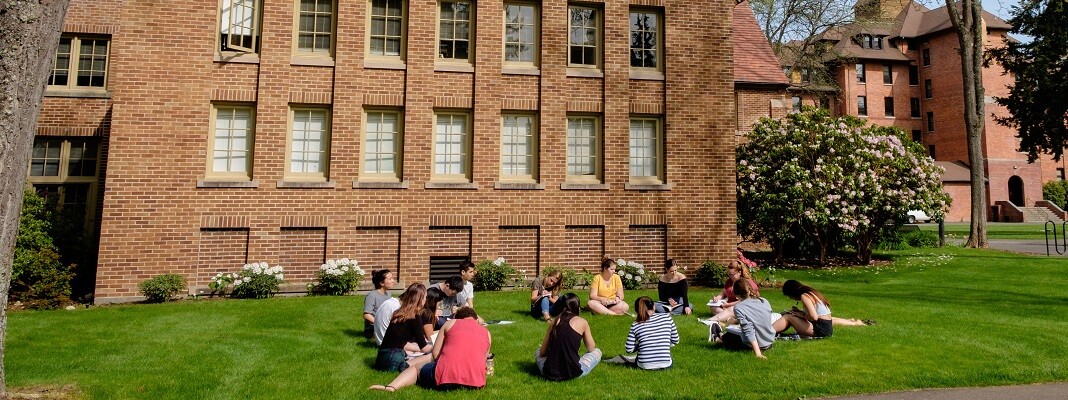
651 335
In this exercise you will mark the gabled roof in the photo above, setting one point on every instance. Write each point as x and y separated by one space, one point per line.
754 61
938 20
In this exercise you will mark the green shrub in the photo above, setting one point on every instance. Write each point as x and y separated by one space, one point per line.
711 274
337 277
492 275
38 278
1056 192
920 239
163 287
633 274
569 278
256 281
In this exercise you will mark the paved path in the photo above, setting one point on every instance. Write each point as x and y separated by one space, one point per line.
1026 246
1042 391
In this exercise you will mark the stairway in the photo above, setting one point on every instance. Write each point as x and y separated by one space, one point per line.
1039 214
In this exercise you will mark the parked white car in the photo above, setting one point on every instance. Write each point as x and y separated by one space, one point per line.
918 216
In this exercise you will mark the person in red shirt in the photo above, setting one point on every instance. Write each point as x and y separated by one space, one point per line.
458 359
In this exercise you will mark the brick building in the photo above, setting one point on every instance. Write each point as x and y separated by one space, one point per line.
201 135
899 66
759 84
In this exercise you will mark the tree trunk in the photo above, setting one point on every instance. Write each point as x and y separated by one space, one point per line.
29 33
971 32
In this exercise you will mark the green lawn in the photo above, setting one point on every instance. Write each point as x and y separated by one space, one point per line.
946 318
995 230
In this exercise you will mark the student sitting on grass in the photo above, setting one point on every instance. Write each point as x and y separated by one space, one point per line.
458 360
673 291
606 291
431 311
383 281
754 319
405 333
814 318
722 306
558 356
544 291
651 335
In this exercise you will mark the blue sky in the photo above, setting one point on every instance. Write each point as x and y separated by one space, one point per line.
999 7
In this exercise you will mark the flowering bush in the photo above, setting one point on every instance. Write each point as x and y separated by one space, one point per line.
338 277
254 281
632 274
569 278
492 275
823 181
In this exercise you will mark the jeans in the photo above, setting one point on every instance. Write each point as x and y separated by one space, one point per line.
538 308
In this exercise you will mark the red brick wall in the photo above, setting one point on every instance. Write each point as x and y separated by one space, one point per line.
301 251
519 246
220 250
647 246
584 248
375 248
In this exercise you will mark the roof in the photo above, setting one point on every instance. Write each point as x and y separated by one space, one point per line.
754 61
954 172
938 20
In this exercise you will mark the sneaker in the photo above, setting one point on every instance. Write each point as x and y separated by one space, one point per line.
792 336
714 332
616 360
869 321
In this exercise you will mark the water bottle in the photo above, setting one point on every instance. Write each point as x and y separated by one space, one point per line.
489 364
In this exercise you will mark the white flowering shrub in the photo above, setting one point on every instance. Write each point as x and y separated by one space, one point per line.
492 275
830 183
338 277
633 274
254 281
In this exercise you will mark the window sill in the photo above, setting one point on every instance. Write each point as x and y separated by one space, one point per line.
379 185
451 185
647 186
312 61
518 186
385 64
449 67
584 73
583 186
235 57
535 71
284 184
646 75
203 183
86 93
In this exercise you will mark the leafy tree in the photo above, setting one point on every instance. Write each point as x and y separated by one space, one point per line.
1038 98
1056 192
39 279
831 181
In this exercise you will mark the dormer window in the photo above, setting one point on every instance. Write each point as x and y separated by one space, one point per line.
870 42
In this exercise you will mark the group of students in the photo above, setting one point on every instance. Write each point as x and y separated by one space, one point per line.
434 337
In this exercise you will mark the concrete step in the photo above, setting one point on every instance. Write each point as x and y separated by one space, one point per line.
1039 214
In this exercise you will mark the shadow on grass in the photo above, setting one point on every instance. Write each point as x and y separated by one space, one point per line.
528 366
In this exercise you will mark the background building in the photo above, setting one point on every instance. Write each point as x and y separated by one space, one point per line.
201 135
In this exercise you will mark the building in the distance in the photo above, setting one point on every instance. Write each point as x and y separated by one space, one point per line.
899 66
197 136
760 86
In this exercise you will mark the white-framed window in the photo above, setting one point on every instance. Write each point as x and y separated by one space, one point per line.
383 144
521 34
584 37
645 39
239 25
455 28
584 149
519 147
387 29
81 63
646 150
308 148
230 142
452 146
315 27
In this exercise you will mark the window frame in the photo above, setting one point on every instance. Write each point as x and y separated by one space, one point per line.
63 171
659 32
861 72
888 74
533 147
914 108
471 19
73 62
914 75
598 51
297 51
403 38
398 147
930 122
225 42
928 89
536 44
209 172
888 107
466 148
658 152
795 103
862 106
597 153
926 56
324 174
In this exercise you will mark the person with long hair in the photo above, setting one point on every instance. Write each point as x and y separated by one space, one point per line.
544 291
458 360
722 306
405 332
558 356
383 281
606 291
651 335
673 291
754 320
431 311
814 318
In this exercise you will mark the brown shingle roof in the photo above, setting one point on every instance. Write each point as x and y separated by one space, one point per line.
754 61
938 20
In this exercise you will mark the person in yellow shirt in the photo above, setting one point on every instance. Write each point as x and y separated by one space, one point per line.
606 291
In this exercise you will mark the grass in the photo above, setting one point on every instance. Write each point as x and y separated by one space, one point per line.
946 318
995 230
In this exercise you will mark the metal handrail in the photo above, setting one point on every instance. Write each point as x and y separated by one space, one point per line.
1060 246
